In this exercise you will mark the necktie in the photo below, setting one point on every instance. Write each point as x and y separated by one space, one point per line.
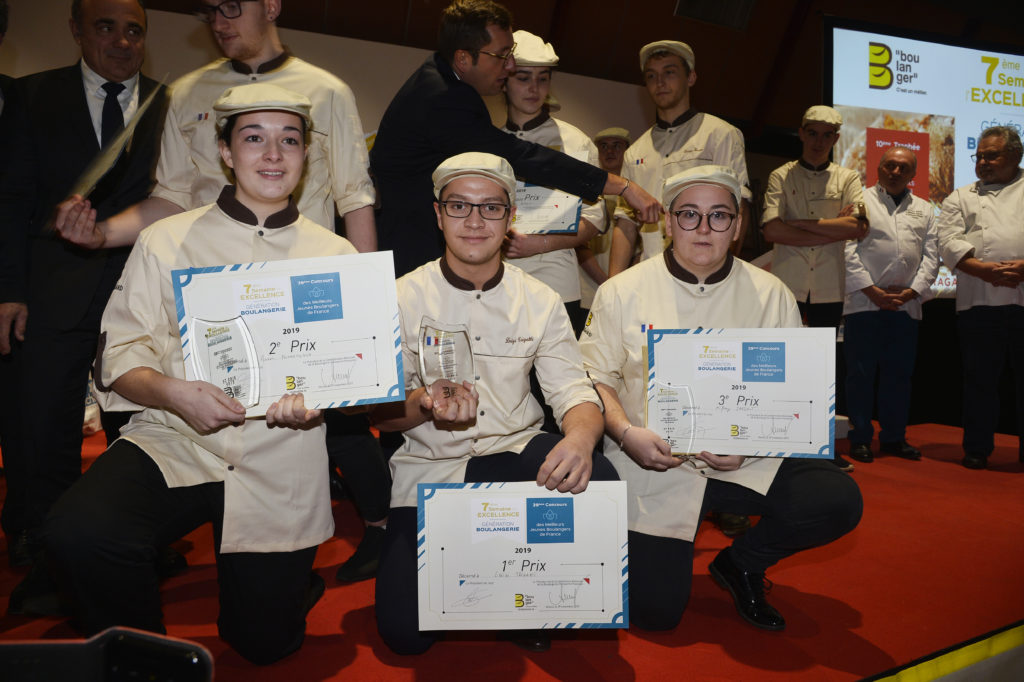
113 118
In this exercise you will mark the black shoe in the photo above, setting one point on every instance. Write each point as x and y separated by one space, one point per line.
316 589
900 448
534 641
747 590
170 562
22 548
36 595
362 565
862 453
843 464
975 461
731 525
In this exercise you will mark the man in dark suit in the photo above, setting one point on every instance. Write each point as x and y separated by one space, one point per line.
439 113
52 293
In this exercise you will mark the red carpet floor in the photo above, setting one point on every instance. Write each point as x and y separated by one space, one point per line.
937 560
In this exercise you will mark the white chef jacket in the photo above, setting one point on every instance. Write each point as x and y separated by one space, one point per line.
660 293
901 249
276 494
515 322
794 193
190 172
987 219
658 154
558 269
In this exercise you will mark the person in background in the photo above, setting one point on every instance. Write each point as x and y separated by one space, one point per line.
440 112
551 258
52 295
889 275
809 214
980 235
680 138
593 256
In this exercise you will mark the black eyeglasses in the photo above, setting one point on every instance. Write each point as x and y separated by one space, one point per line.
229 9
985 156
462 209
688 219
503 57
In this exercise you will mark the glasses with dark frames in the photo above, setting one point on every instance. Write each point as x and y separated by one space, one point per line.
689 219
461 209
229 9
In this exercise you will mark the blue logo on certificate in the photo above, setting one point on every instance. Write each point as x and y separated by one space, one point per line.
316 297
764 361
549 519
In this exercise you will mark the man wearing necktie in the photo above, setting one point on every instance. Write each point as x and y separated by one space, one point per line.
52 294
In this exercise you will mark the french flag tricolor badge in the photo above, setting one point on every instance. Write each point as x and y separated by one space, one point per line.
645 327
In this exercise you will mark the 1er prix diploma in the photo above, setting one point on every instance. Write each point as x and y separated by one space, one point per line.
498 556
753 392
324 327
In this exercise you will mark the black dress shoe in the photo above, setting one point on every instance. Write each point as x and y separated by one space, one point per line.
975 461
900 448
22 548
731 525
170 562
862 453
747 590
362 565
36 595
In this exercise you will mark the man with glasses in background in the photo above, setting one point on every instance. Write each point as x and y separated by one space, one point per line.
190 174
440 112
981 234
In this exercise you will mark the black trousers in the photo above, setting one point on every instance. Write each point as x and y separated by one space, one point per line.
810 503
397 604
990 338
101 541
353 449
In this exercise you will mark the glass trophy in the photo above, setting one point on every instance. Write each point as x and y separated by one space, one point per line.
672 409
224 355
446 358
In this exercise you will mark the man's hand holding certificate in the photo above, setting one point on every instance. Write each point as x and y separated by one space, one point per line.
752 392
324 327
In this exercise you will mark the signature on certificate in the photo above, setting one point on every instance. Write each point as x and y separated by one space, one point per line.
565 597
473 598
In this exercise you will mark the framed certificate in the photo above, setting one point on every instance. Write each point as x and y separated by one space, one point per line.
505 556
543 210
752 392
326 327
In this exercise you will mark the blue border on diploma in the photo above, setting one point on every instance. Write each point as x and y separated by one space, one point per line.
425 491
824 452
579 213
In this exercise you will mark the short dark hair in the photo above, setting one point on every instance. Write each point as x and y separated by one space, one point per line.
658 54
464 26
3 17
224 135
1010 139
76 11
